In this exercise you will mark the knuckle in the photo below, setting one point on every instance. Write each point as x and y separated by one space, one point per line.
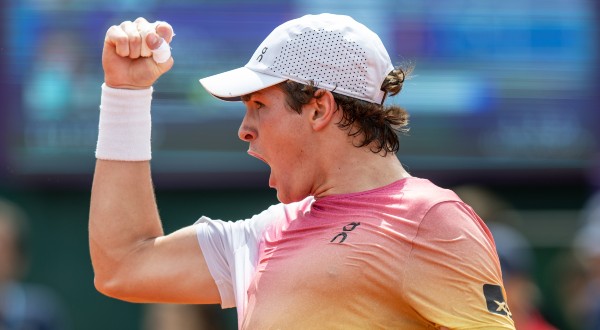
135 40
163 24
140 20
125 24
112 30
165 30
121 40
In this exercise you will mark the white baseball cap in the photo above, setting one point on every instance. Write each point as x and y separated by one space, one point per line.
332 52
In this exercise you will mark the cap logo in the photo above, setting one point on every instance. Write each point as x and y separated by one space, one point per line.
260 57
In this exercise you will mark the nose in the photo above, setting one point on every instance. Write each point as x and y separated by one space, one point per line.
246 132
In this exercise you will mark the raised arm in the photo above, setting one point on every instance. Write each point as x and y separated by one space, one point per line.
132 258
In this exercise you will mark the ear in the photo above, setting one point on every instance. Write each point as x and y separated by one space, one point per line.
322 110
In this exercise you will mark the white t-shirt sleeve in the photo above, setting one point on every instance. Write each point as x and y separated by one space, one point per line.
218 252
231 252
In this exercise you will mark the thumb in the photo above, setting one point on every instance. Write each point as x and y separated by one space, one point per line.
161 51
153 40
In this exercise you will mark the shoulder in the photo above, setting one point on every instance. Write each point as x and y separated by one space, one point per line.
422 195
422 188
444 215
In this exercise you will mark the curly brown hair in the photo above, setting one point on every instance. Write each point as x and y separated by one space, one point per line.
378 125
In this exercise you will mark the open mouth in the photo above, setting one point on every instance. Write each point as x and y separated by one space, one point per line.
255 155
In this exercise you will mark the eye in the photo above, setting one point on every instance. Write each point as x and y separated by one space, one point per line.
258 105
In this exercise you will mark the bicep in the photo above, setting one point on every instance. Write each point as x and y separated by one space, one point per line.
170 269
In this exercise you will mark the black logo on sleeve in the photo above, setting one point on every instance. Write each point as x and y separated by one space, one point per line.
344 234
496 303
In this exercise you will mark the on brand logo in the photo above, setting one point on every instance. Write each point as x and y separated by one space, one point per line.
260 57
344 234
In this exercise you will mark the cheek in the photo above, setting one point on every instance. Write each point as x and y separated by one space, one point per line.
291 150
293 171
287 135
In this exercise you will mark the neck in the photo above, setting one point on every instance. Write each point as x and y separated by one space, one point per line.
357 170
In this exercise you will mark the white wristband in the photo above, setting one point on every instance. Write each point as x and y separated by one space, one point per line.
125 124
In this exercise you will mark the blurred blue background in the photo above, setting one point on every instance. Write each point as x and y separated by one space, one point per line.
504 97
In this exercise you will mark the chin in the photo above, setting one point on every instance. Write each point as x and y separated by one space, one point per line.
287 199
283 199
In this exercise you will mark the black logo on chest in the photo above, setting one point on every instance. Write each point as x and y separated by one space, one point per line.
344 234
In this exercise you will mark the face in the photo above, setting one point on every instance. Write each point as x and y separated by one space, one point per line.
280 137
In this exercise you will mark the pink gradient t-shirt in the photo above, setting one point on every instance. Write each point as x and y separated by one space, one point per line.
408 255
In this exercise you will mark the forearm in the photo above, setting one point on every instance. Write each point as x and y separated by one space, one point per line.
123 212
123 216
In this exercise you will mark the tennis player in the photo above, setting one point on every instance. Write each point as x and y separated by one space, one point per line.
356 242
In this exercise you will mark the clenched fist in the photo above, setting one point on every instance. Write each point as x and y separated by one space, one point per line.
128 47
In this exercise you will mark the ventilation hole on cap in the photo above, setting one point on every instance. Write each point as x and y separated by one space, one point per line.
325 57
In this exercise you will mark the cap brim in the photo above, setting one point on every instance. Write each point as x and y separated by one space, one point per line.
231 85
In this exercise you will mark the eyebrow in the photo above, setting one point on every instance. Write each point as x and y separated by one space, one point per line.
248 97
